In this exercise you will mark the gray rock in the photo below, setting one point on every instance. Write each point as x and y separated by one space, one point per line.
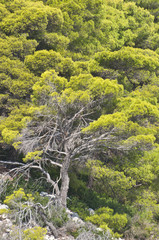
68 211
66 238
74 215
45 194
78 221
3 206
47 237
91 211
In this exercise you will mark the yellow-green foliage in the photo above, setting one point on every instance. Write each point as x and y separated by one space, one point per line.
51 77
59 57
143 173
18 118
70 96
133 128
137 108
139 140
147 199
17 199
116 120
116 179
9 135
97 86
43 60
152 157
86 87
31 17
147 204
80 82
136 66
82 67
17 47
4 211
105 87
149 93
36 155
48 84
120 122
10 127
15 77
36 233
105 218
130 57
55 41
4 12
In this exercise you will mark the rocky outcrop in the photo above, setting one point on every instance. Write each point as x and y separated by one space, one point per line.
5 224
6 228
73 225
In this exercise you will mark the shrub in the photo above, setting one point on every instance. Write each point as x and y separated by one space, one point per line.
36 233
107 220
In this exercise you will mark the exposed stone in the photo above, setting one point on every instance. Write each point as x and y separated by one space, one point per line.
5 224
3 206
47 237
45 194
69 212
99 229
66 238
91 211
78 221
74 214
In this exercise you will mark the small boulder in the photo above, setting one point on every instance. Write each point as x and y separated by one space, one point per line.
91 211
3 206
73 214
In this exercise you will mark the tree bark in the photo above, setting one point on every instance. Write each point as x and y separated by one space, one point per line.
64 182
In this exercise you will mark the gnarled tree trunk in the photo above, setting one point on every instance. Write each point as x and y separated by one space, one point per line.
64 181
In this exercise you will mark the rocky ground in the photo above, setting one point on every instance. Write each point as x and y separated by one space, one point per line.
8 231
6 227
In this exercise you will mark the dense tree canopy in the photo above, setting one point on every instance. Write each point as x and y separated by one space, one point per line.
79 104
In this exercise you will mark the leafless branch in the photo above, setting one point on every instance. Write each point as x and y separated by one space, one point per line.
12 163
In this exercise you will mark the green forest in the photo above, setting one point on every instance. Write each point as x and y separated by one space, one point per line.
79 118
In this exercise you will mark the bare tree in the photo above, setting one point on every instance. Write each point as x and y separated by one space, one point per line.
57 133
